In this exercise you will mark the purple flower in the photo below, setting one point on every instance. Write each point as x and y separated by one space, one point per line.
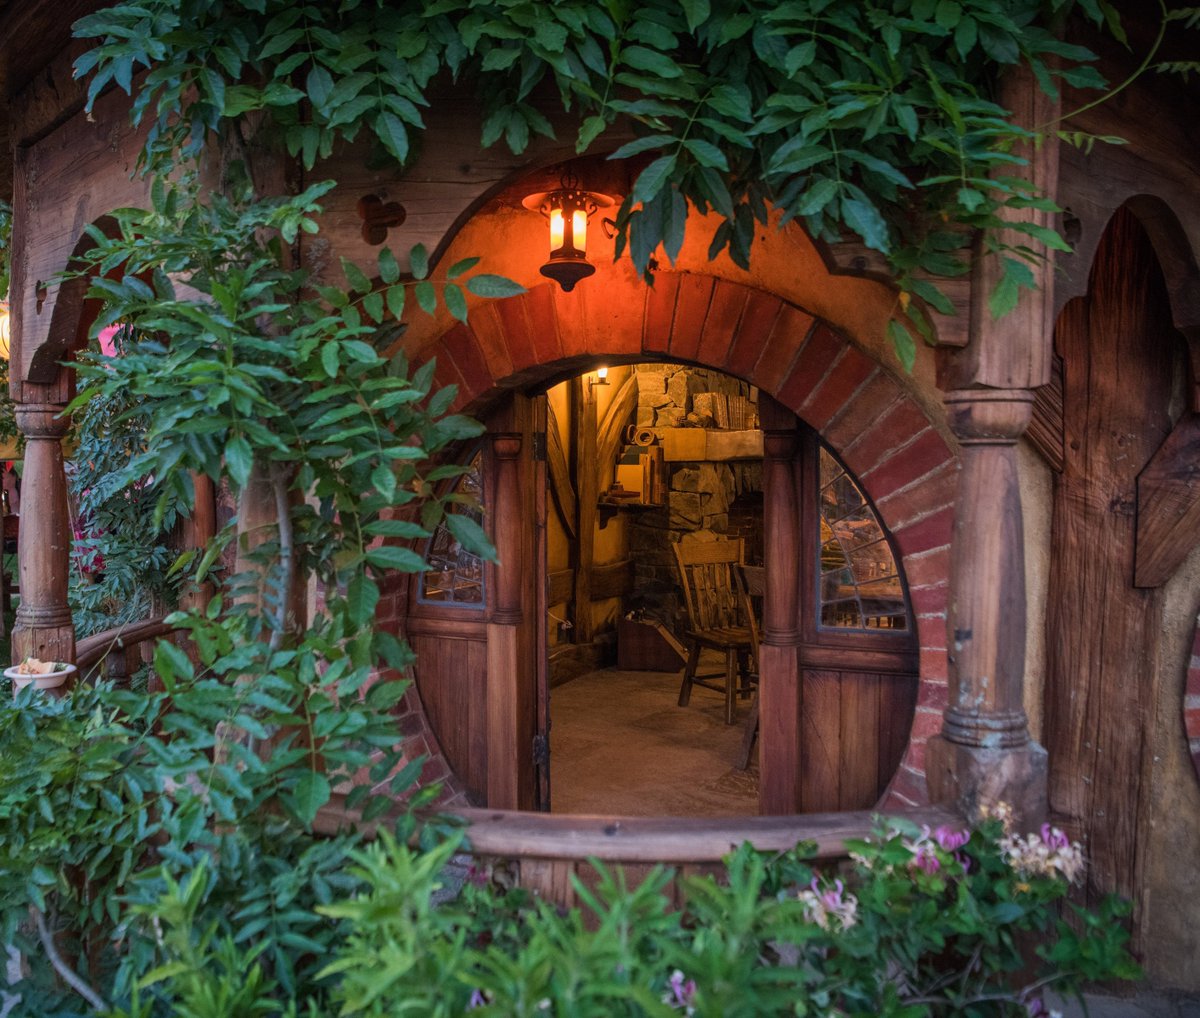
832 898
1053 838
927 859
478 999
949 839
681 991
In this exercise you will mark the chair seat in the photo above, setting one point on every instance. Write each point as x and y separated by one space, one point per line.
725 636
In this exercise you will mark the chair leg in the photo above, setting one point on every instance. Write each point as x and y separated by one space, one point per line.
745 686
689 673
749 734
731 678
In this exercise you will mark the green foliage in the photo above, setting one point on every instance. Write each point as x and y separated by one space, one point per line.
110 800
920 924
313 403
120 558
873 118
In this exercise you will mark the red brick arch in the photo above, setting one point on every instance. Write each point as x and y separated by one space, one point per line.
858 406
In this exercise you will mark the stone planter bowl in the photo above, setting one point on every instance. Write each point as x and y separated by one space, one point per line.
48 680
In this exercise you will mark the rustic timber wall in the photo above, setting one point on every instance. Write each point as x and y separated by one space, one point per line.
860 408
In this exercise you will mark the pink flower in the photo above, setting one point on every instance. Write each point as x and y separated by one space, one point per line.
949 839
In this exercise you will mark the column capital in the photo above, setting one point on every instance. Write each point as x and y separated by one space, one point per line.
988 416
506 446
42 420
779 445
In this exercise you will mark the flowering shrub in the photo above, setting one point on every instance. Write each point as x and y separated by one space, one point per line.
944 922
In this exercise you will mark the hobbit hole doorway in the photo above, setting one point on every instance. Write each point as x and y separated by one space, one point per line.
685 481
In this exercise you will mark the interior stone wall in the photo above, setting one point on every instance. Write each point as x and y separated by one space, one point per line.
704 500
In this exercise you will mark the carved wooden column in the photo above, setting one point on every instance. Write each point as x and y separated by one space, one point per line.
43 621
985 752
504 628
779 689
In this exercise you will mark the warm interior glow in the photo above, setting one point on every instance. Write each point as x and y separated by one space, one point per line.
602 374
579 231
4 327
556 230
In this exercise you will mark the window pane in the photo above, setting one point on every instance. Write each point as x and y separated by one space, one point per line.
455 575
860 584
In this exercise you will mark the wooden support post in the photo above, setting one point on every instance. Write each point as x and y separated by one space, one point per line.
586 485
779 688
504 673
985 752
44 628
195 532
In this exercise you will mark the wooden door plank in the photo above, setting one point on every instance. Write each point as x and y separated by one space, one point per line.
859 733
820 741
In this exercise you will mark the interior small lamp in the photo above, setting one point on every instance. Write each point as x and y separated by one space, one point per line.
601 376
568 209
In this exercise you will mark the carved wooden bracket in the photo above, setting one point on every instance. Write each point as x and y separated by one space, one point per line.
378 217
1168 505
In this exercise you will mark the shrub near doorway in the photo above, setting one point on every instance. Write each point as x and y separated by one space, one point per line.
922 923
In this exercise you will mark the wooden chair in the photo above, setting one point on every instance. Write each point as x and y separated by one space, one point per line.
719 616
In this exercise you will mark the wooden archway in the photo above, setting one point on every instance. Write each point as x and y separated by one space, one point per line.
866 413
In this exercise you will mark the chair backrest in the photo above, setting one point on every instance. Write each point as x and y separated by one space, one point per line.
710 573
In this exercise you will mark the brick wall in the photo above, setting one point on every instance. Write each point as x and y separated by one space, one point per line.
1191 701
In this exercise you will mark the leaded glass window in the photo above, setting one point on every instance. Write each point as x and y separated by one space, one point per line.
455 575
860 584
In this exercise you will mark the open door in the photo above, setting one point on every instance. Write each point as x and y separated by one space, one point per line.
477 628
838 681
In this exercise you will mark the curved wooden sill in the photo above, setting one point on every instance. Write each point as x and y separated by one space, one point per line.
668 839
515 834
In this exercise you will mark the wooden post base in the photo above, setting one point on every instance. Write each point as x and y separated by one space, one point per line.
969 777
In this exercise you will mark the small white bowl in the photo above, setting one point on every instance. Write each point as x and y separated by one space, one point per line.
48 680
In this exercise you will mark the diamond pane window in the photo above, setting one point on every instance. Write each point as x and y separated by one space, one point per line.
859 584
455 575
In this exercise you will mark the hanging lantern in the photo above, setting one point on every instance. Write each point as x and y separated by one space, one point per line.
568 209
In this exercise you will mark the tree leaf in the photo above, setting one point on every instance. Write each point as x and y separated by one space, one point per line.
651 180
238 459
311 792
488 285
418 260
903 343
391 131
470 535
389 268
359 283
456 303
362 596
864 219
390 556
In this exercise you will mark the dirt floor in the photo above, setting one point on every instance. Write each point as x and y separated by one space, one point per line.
620 744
